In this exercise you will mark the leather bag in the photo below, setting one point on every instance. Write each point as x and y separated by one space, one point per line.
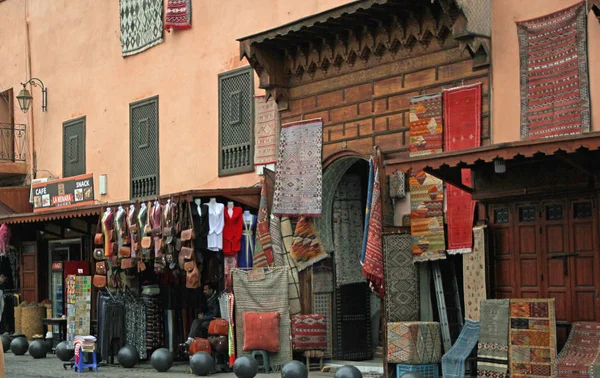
99 237
99 281
101 268
187 253
218 327
125 252
199 345
188 233
127 263
192 278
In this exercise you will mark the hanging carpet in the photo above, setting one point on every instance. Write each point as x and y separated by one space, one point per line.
474 275
141 25
263 251
179 14
492 349
580 357
425 125
453 362
555 95
322 276
293 280
373 263
265 130
353 322
306 245
276 241
369 203
414 343
401 279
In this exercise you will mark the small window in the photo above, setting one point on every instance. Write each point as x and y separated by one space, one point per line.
236 122
143 123
74 147
501 216
554 212
582 210
527 214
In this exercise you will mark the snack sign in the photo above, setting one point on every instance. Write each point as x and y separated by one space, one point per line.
64 193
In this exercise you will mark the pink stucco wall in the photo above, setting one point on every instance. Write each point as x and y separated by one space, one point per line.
505 62
76 51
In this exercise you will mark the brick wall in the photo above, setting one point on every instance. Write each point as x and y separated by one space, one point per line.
371 107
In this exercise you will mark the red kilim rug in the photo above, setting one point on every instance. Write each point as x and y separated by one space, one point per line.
580 355
462 119
554 74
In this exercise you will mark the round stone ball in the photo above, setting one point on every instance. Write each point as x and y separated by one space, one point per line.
63 352
348 371
5 343
38 349
161 360
19 346
128 356
245 367
294 369
202 364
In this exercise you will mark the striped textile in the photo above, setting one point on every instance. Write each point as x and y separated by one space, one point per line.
276 241
373 265
262 232
293 280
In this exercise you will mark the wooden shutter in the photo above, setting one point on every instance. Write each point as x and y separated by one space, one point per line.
74 147
143 121
236 122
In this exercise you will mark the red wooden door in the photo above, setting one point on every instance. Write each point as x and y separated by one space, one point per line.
527 247
29 273
501 235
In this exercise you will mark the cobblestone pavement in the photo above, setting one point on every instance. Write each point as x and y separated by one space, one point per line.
26 367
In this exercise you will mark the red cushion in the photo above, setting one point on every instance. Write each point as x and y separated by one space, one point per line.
261 331
309 332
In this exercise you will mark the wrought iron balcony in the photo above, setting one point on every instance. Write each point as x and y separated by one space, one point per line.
13 142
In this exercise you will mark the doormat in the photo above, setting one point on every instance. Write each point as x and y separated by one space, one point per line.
555 95
492 350
425 125
141 25
580 356
453 362
265 131
474 275
532 338
401 279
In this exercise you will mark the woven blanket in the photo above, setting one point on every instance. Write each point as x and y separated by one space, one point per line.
427 217
414 342
373 264
397 185
363 252
492 349
474 275
581 353
322 276
309 332
322 304
293 280
267 295
462 129
298 185
264 254
347 230
401 279
353 322
306 245
141 25
532 338
425 125
555 96
276 241
265 130
179 14
453 362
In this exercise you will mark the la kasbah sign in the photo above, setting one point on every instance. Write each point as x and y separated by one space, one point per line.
67 193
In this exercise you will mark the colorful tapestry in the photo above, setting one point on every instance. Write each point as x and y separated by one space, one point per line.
347 230
322 304
265 130
474 275
179 14
427 217
309 332
263 235
298 185
141 25
555 96
322 276
373 264
532 338
276 241
265 295
363 252
287 238
492 349
581 353
414 342
306 245
353 322
462 129
401 279
453 362
397 185
425 125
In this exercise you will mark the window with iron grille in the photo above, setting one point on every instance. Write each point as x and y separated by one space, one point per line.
236 121
143 121
74 147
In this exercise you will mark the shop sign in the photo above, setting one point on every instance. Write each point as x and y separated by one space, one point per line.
64 193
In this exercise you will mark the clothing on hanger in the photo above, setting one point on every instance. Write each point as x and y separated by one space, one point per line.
216 222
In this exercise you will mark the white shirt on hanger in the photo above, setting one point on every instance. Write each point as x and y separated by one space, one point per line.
216 221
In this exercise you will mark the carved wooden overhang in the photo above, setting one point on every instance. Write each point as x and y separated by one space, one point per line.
358 35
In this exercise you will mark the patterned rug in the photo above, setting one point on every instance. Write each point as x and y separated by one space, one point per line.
532 338
179 14
322 276
492 350
298 185
293 280
371 178
474 275
307 248
265 130
353 322
401 279
427 217
373 264
397 185
425 125
462 129
453 362
555 96
322 304
414 343
263 255
141 25
266 295
276 241
347 230
581 354
309 332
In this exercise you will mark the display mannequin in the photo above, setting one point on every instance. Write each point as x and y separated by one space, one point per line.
230 208
216 221
198 203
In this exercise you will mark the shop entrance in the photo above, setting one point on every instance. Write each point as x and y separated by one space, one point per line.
64 258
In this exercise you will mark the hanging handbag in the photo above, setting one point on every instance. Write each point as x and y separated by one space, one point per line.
192 278
101 268
127 263
147 227
188 233
99 281
168 229
141 266
147 240
124 252
99 236
187 253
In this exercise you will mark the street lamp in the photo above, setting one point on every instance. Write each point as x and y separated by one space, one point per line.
25 97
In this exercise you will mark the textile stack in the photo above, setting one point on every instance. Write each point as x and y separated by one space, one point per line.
154 318
111 325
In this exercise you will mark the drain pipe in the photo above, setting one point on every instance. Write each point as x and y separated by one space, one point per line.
32 154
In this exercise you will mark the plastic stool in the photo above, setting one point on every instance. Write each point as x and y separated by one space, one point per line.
265 365
82 365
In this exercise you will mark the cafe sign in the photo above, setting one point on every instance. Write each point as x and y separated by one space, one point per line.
64 193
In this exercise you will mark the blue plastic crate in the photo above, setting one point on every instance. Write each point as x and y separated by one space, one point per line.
427 370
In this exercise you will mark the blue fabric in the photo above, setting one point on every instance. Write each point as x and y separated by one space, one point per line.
453 362
247 244
363 251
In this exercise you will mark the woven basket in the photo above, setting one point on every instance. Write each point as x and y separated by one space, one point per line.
31 320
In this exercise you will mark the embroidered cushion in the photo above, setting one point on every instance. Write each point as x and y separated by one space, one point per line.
309 332
261 331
